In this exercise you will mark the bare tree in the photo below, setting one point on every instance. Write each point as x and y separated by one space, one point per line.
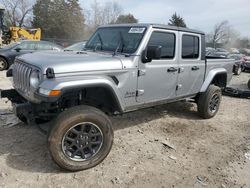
220 32
101 14
95 18
111 12
232 39
18 12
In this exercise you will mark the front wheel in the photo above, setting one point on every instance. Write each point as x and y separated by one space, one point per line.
81 138
209 102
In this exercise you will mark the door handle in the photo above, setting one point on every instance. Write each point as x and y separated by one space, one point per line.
172 69
194 68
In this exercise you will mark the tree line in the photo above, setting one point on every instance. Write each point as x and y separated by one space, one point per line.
224 35
66 19
63 19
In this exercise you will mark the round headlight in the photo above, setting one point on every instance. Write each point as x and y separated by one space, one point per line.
34 79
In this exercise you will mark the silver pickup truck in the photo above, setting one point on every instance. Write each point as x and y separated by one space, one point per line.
123 68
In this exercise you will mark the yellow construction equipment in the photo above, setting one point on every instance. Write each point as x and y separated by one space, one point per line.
17 33
14 34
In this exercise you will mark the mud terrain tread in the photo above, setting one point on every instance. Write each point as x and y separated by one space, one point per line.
203 101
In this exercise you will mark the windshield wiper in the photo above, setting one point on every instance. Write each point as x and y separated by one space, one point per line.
121 42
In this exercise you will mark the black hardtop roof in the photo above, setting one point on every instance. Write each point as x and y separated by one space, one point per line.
160 26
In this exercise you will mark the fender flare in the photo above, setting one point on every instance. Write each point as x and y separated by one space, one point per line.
68 85
210 76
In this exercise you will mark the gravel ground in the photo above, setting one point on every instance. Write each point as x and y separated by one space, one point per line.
202 153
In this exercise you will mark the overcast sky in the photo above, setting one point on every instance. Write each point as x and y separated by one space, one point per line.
198 14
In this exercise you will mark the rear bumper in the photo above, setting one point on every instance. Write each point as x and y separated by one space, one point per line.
247 66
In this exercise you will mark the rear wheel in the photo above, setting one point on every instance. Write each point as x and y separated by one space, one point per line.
3 64
209 102
81 138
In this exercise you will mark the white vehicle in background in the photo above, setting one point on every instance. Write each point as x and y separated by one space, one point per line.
76 47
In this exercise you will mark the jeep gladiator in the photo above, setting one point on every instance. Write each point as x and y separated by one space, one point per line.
122 68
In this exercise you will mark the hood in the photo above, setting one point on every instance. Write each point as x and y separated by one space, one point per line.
64 62
4 49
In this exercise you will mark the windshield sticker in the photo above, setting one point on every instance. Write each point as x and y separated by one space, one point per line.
137 30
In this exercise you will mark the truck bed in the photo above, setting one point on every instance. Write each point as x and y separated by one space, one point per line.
216 63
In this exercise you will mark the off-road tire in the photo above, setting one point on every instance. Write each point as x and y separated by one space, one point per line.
65 122
205 102
3 64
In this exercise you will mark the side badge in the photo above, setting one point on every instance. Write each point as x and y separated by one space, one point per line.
130 94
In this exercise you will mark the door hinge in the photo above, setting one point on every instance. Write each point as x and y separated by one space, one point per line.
139 92
141 72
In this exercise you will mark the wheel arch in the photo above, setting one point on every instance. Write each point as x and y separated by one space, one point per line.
216 77
101 96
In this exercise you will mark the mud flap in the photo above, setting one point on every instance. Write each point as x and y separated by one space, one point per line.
240 93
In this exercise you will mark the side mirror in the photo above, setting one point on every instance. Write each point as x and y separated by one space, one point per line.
18 49
150 53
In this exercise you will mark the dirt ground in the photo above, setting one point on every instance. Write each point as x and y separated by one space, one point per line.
202 153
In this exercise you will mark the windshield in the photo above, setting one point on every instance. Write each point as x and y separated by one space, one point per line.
116 39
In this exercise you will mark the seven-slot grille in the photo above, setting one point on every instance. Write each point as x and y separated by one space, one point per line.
21 76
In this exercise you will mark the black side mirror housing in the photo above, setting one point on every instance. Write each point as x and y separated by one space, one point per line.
18 49
150 53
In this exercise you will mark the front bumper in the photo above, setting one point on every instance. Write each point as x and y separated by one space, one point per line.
12 95
21 108
27 111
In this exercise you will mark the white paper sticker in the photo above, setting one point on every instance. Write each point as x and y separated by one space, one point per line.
137 30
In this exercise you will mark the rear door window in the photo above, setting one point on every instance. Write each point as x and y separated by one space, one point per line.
190 47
